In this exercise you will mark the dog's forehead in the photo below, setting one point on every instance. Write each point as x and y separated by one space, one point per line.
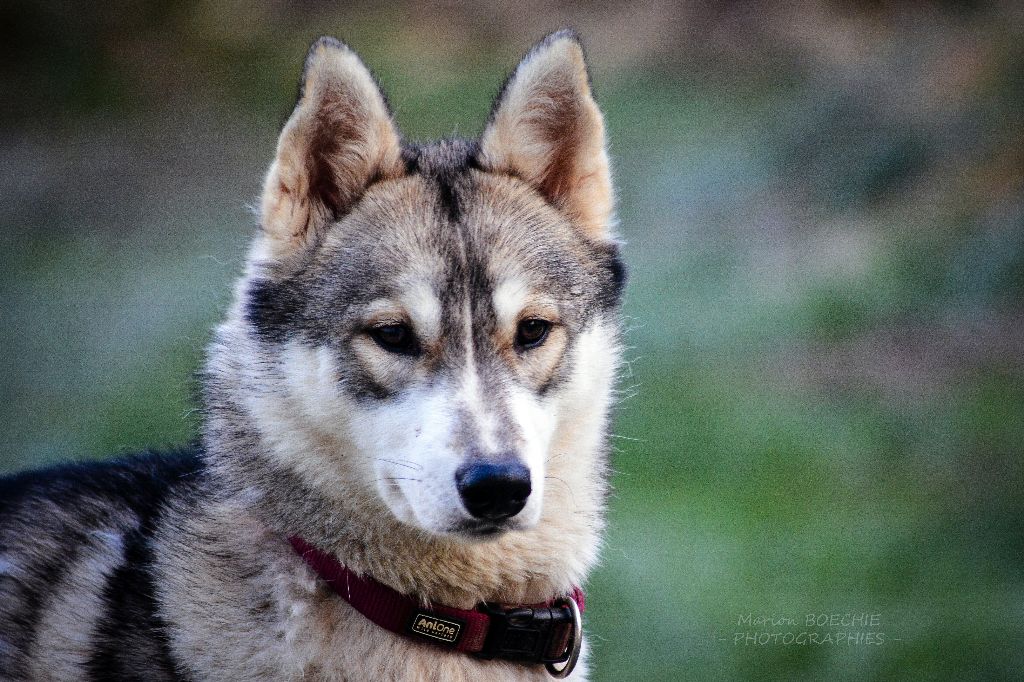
455 230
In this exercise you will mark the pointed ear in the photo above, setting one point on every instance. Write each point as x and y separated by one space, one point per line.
339 139
546 129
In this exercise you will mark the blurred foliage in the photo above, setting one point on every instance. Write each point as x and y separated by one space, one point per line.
823 207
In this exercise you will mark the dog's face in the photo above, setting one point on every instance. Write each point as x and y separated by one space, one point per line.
440 319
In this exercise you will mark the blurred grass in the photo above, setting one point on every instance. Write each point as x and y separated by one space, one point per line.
825 312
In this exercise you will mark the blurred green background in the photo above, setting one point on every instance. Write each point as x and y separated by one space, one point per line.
825 222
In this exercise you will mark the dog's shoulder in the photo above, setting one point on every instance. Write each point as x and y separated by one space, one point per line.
75 556
136 482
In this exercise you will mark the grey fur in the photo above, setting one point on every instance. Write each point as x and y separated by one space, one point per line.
177 567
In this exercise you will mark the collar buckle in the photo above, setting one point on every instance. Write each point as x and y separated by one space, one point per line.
540 634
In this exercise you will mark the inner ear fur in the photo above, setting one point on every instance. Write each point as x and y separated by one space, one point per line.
546 129
339 139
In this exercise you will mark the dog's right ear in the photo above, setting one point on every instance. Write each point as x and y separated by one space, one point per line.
339 139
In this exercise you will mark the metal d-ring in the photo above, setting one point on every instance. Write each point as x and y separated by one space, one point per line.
575 646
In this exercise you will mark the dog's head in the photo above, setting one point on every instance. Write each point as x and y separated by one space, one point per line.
434 328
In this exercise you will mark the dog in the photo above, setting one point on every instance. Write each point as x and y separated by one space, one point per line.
402 469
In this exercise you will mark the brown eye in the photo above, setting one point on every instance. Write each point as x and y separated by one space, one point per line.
396 338
532 332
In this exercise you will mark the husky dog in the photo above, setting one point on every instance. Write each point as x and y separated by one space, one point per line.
413 381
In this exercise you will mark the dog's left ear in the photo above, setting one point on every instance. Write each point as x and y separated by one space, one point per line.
546 129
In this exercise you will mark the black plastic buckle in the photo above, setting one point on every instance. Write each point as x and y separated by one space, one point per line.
525 633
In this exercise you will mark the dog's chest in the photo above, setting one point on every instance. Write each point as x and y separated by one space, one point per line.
285 624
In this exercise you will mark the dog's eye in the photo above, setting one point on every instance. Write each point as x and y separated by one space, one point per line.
396 338
532 332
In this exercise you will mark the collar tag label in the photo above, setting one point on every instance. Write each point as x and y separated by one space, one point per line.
436 628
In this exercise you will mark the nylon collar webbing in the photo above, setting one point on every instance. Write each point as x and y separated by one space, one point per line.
534 633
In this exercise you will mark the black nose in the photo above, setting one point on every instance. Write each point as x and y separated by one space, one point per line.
493 491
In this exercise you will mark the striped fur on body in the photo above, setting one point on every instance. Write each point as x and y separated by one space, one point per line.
77 587
177 567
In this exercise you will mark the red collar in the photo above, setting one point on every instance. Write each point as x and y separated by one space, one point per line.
537 633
